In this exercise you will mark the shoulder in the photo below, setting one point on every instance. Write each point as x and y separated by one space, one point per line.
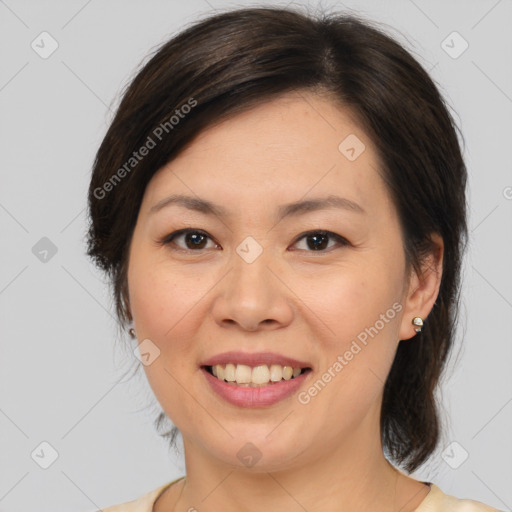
437 501
143 503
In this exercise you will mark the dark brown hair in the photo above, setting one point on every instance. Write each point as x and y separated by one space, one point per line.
232 61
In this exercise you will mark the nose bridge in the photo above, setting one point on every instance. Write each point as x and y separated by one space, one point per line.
252 294
250 269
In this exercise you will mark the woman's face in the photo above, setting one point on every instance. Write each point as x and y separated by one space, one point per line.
258 285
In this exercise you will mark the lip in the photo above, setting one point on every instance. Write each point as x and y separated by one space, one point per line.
255 397
255 359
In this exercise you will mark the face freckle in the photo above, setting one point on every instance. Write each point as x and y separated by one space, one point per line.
240 178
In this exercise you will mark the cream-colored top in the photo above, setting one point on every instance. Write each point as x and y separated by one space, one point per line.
435 501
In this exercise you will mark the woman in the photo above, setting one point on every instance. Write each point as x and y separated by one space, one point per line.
280 204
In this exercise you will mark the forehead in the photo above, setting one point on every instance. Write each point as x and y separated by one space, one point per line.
297 144
287 128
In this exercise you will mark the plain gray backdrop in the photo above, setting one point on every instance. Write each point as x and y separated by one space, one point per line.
61 367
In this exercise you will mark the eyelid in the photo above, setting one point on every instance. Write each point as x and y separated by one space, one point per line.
168 239
341 241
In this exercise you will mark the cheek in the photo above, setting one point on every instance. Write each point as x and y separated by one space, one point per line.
161 301
352 302
168 306
164 309
361 308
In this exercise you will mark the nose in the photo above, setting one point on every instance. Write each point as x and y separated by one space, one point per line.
253 296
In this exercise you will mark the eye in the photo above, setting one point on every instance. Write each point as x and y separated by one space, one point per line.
318 240
196 239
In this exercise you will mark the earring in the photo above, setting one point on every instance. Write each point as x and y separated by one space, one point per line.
131 332
419 322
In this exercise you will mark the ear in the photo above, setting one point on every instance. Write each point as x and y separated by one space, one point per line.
423 289
125 300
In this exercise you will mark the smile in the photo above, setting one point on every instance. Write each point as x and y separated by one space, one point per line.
257 376
255 395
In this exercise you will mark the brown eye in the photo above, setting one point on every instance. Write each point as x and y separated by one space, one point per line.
194 239
318 241
197 240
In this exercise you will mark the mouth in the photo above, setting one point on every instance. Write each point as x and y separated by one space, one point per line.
258 376
255 379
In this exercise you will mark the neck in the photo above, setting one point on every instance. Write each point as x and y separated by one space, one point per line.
352 476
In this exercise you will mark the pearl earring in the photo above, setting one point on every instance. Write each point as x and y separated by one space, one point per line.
418 321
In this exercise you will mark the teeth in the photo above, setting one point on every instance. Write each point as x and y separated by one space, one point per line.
287 372
244 375
229 372
260 374
276 373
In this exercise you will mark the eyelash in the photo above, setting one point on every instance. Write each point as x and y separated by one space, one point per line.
172 236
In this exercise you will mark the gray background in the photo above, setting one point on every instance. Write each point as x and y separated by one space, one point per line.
62 364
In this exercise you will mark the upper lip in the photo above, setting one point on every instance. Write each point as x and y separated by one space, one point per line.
254 359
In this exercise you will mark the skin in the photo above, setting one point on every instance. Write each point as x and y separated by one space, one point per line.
326 454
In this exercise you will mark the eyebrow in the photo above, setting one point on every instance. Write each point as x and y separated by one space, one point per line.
285 210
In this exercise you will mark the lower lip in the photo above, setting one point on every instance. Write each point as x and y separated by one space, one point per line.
255 397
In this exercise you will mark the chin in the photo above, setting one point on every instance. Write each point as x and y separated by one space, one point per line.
253 450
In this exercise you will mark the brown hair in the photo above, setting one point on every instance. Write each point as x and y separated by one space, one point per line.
232 61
